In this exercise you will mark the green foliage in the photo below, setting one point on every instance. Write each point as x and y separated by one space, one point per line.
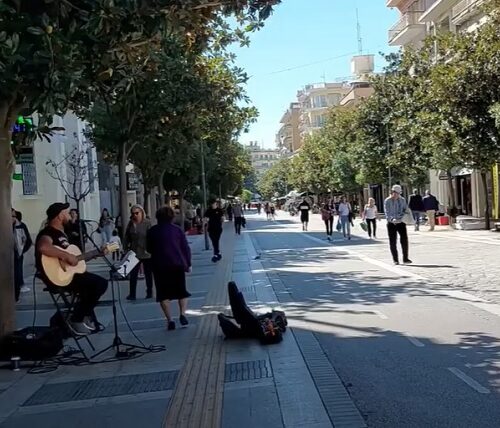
276 180
246 196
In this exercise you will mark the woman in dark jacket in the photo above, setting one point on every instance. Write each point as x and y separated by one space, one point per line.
170 260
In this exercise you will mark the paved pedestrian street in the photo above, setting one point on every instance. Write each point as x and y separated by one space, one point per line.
369 344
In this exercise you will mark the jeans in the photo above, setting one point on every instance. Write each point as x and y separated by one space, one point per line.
393 229
215 238
329 226
416 216
148 274
371 224
106 233
345 222
237 224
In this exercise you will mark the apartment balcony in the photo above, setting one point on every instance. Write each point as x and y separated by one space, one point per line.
407 30
393 3
434 9
464 10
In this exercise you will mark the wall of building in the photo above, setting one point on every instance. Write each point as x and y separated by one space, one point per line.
49 190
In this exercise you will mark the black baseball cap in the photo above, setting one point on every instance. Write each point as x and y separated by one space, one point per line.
55 209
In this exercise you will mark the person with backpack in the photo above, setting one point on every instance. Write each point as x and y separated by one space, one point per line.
416 205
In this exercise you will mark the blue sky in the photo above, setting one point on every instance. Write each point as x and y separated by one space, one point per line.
302 32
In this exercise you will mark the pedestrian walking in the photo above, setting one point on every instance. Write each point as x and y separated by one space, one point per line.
416 205
344 211
106 226
170 261
267 209
76 230
327 215
214 218
238 218
273 212
431 205
370 217
229 211
136 240
304 209
22 244
115 239
395 207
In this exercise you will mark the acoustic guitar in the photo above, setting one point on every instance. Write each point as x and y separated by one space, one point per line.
61 274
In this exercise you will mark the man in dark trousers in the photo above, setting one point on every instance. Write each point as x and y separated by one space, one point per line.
51 242
394 208
431 205
416 206
214 217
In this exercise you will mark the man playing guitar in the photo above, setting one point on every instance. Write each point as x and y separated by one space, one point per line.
50 242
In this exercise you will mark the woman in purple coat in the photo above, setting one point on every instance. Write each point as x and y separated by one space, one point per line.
171 259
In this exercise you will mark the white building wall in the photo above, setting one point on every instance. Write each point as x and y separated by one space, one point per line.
49 190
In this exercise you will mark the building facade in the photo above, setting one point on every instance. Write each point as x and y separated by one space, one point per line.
315 102
421 18
262 159
34 188
288 138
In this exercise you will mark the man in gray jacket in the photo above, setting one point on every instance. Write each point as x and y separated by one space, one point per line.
395 207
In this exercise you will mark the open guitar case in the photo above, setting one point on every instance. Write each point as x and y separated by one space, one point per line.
245 323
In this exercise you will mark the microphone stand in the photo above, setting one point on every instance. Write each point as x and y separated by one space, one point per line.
122 349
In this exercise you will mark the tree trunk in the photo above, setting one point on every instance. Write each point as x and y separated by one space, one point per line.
80 226
146 201
161 189
486 202
181 206
451 191
7 304
122 174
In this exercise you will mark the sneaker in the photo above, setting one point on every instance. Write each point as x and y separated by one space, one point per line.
25 289
89 323
396 262
219 256
78 328
183 320
215 259
407 262
171 325
130 297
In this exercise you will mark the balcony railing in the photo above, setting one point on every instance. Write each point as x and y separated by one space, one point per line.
465 6
408 19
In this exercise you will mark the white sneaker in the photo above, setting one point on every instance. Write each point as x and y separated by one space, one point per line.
25 289
87 322
79 328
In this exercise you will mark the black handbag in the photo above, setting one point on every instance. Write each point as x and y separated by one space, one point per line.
31 344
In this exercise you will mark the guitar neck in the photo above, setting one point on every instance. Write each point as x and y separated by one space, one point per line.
89 255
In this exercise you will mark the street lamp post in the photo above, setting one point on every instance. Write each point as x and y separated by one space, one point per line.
204 185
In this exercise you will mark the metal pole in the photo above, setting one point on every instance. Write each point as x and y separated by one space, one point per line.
388 153
204 185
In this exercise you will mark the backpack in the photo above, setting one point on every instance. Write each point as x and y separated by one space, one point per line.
268 328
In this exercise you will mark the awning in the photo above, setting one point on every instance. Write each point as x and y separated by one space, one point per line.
455 172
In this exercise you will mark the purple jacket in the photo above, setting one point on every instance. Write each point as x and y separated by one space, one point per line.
168 247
